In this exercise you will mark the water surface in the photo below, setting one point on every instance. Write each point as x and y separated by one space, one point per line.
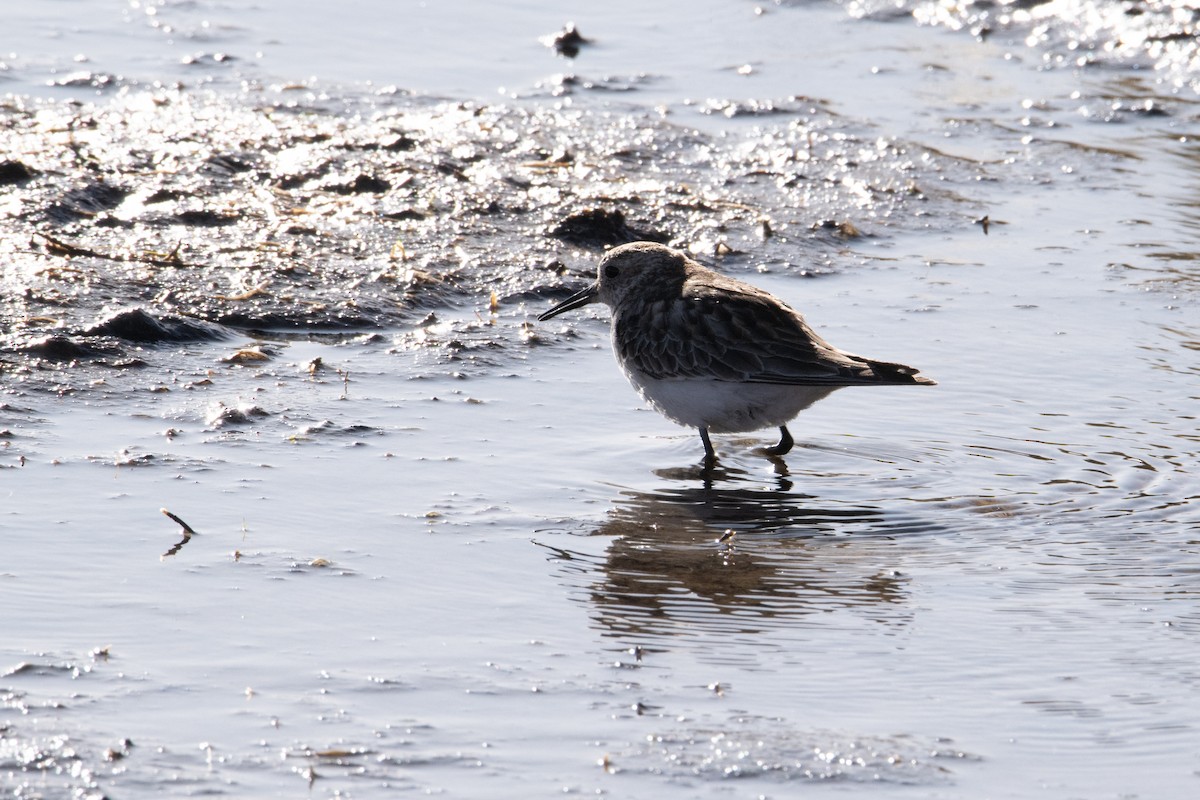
442 549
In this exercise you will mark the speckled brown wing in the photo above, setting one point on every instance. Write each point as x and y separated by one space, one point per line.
729 331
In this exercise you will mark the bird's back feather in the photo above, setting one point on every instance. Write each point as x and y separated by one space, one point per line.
722 329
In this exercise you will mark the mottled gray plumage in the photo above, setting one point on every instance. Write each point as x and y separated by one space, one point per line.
715 353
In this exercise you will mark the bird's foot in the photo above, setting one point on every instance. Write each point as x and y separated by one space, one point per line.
784 446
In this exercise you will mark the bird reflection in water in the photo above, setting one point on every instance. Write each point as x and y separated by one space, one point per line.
728 556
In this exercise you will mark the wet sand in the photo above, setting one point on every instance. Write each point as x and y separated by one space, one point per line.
440 548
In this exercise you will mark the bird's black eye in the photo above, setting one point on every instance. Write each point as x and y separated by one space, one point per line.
611 272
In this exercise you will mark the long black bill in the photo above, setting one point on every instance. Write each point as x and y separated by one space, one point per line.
577 300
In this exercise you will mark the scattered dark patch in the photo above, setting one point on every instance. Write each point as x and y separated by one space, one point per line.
599 227
63 348
203 218
14 172
39 669
58 247
751 108
404 214
229 415
84 79
330 428
453 170
136 325
1149 108
227 165
164 196
123 363
87 202
538 295
363 184
401 144
295 181
208 59
9 408
845 229
567 83
271 319
1116 111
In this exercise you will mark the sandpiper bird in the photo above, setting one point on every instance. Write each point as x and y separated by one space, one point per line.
713 353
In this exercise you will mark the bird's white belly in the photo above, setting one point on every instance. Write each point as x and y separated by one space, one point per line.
726 406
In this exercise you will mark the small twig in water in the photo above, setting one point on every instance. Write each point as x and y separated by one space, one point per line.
188 533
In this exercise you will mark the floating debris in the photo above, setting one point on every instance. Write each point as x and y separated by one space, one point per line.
567 41
188 533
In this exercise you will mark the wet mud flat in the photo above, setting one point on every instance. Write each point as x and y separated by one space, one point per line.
204 286
422 545
173 215
165 217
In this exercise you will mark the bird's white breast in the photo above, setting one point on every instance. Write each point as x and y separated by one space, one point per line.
725 406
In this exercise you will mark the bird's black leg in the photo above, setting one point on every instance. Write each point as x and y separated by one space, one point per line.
785 443
710 455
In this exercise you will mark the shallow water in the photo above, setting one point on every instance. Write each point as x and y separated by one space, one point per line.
456 556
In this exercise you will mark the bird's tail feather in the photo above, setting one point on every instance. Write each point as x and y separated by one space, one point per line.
889 372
